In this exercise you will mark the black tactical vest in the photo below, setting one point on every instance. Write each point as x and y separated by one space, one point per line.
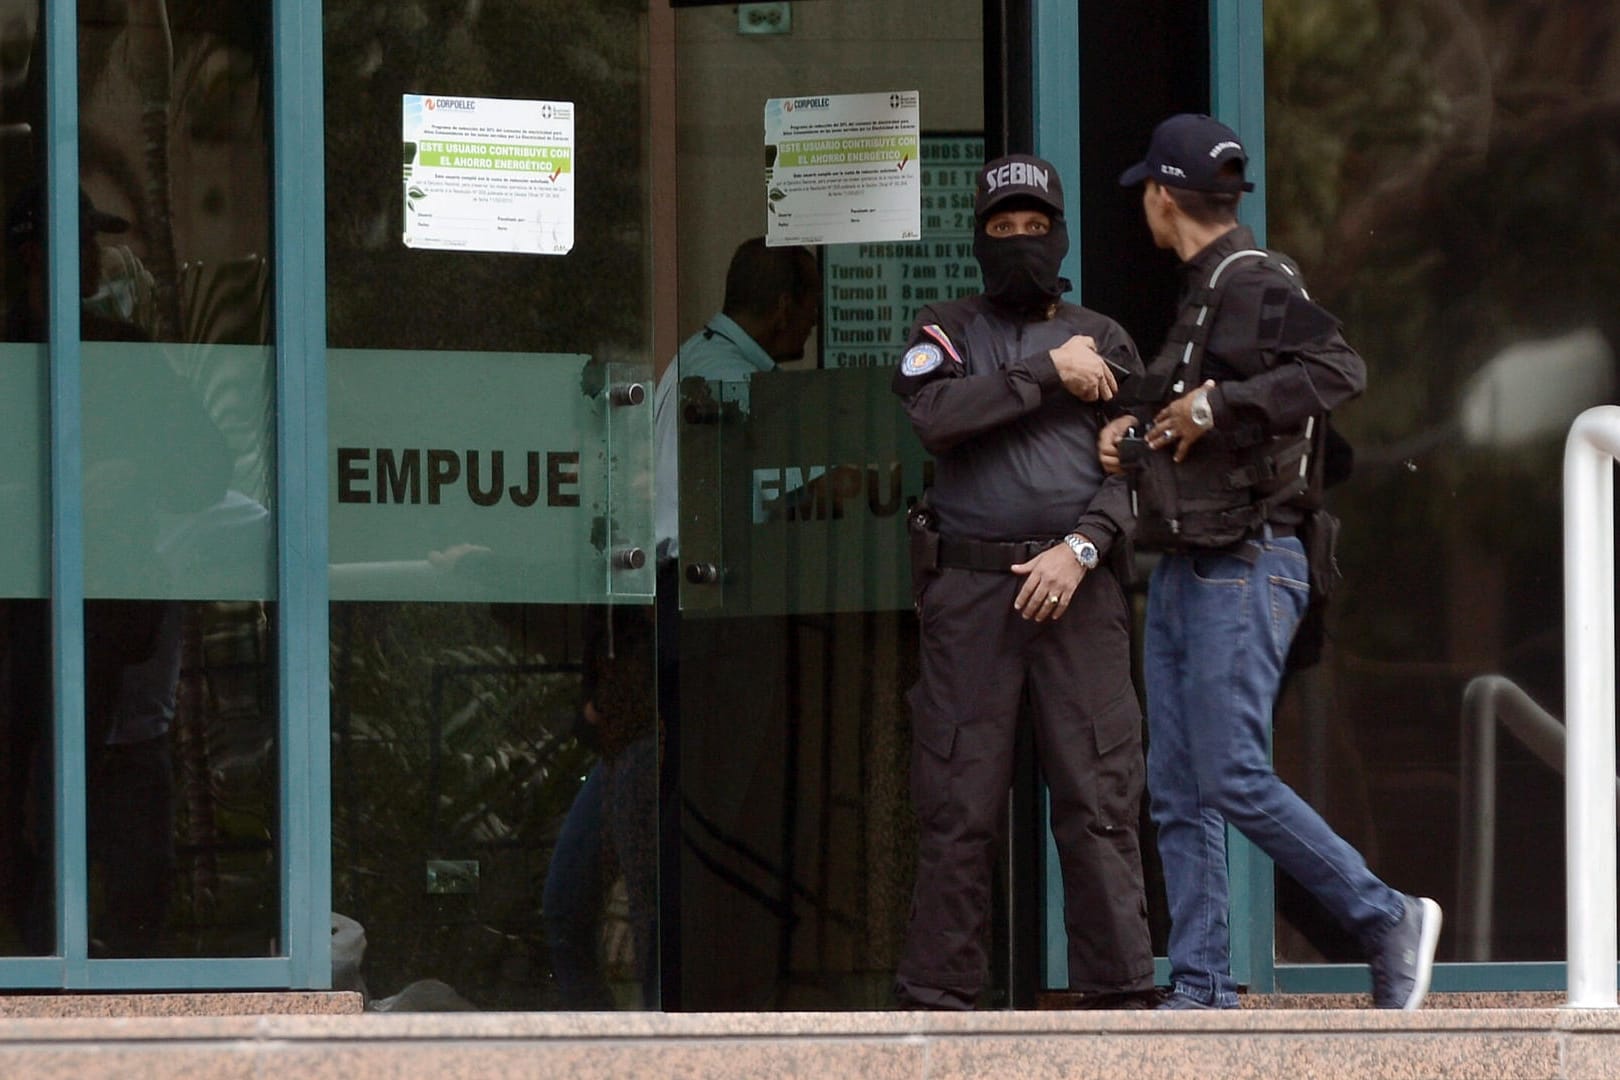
1232 480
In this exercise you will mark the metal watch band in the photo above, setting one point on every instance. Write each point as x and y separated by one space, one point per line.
1083 549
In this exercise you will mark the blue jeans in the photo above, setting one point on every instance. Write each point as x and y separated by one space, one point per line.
1218 628
616 808
571 899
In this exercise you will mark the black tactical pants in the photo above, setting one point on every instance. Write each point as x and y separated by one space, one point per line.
979 662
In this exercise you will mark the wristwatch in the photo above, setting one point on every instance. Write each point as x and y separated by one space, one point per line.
1083 549
1200 412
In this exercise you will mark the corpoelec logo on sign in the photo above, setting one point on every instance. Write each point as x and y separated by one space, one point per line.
497 477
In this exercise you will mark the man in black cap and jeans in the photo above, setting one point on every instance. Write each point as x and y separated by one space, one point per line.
1008 390
1227 484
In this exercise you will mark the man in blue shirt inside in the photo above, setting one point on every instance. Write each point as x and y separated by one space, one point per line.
772 301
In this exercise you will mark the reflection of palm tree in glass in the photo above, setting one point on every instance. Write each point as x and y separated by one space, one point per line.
150 59
156 85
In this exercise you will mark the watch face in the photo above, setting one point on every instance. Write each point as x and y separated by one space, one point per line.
1202 414
1084 550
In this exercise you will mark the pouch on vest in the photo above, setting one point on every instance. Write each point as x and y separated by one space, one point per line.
1153 486
1216 496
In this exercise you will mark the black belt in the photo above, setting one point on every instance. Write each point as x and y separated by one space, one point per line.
991 555
1248 549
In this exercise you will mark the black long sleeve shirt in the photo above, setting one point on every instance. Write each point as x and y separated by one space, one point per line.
1015 453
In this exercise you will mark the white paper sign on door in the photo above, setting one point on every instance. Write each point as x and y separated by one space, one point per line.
843 169
489 174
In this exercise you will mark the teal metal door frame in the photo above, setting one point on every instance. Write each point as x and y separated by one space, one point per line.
67 518
1237 92
1055 25
301 524
302 682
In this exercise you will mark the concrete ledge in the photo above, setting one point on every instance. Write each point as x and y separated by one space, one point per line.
224 1003
1554 1044
1472 999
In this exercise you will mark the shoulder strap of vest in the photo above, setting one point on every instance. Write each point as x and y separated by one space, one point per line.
1208 298
1190 332
1246 253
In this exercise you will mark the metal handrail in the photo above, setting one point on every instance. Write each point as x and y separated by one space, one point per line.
1490 701
1589 796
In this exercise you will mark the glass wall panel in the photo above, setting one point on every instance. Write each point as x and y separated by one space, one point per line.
28 914
495 740
180 697
1443 174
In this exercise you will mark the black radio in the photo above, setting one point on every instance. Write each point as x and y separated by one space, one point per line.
1132 448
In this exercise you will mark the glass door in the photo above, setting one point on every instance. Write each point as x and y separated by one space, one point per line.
794 844
494 736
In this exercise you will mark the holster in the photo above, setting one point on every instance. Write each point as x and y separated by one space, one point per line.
1319 532
922 533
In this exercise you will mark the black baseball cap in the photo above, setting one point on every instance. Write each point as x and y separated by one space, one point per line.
1018 176
1187 151
26 219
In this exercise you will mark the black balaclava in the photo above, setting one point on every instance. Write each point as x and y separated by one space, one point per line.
1021 272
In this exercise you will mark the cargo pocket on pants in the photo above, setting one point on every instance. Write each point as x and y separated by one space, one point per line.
1117 735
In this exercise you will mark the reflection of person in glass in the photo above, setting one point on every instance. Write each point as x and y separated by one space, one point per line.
1008 390
132 647
613 821
772 302
25 237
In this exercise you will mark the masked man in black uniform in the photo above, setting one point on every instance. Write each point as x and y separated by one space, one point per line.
1008 390
1228 483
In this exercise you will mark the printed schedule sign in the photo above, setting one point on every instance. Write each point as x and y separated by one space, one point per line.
842 169
871 293
489 174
